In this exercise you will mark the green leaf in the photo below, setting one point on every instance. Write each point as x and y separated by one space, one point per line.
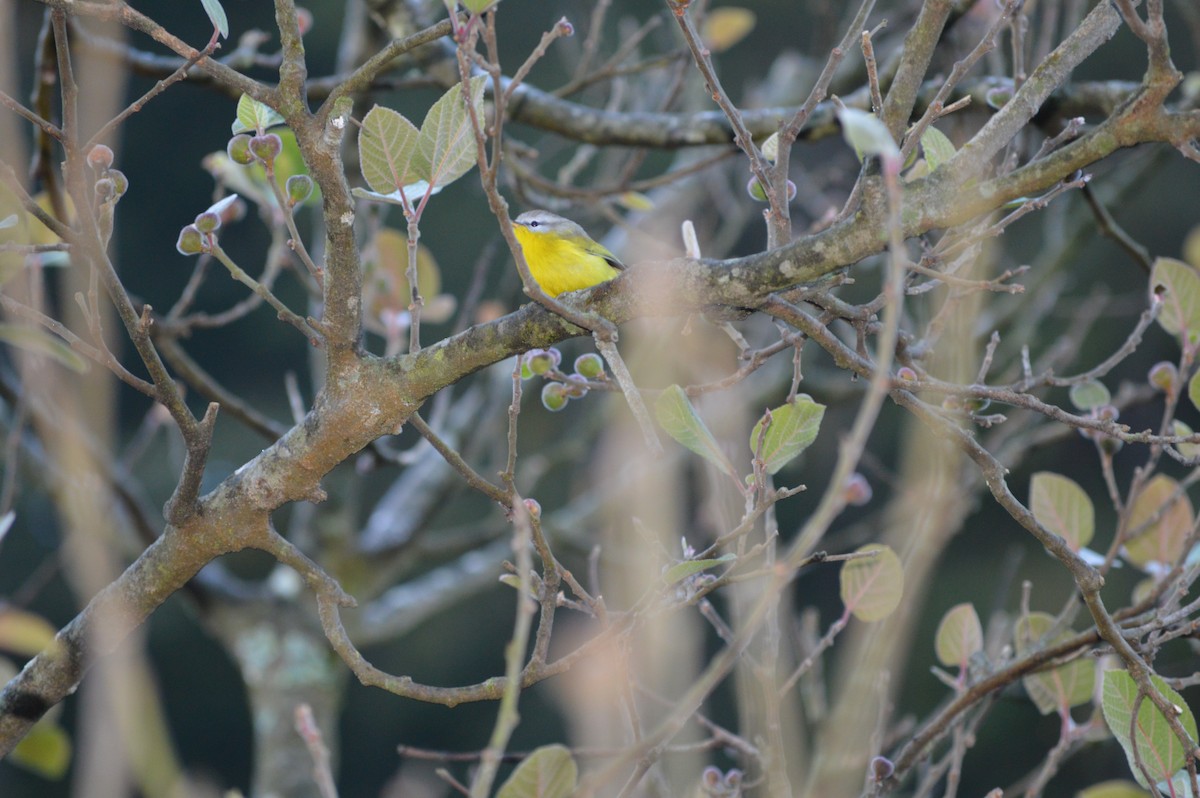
1159 749
446 148
1060 505
679 419
387 147
792 429
514 581
1194 389
1065 686
866 134
1089 395
1163 539
32 339
253 116
216 15
871 587
1116 788
478 6
1188 450
680 571
726 26
46 750
770 147
1180 314
959 636
937 148
24 632
548 772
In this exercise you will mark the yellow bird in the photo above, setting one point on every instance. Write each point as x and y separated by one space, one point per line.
560 255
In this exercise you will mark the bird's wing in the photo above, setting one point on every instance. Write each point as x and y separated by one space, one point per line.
601 250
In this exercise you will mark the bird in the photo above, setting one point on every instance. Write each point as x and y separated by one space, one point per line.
560 255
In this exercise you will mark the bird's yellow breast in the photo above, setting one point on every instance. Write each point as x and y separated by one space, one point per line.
560 264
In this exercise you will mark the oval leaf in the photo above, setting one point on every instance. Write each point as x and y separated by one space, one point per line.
387 146
726 26
1163 539
1159 749
23 632
680 571
1058 688
871 587
548 772
1060 505
31 339
1114 789
679 419
253 116
1090 394
446 147
959 636
792 429
937 148
1180 294
866 134
216 15
46 750
1188 450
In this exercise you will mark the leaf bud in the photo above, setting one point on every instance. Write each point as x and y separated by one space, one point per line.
540 361
575 387
589 365
266 147
554 398
207 222
1163 376
191 241
533 508
857 490
299 188
238 149
106 189
756 191
882 768
119 180
100 157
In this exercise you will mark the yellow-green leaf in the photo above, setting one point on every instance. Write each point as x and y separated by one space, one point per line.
387 148
937 148
1163 539
446 146
1067 685
253 116
23 632
1179 286
871 587
1117 788
792 428
548 772
959 636
726 26
46 750
1060 505
679 419
1188 450
1089 395
635 201
680 571
1159 749
33 339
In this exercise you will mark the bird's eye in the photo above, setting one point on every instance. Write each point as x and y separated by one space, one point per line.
533 224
